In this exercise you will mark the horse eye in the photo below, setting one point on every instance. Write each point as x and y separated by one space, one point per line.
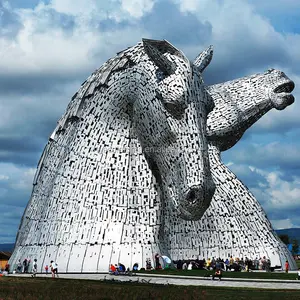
175 109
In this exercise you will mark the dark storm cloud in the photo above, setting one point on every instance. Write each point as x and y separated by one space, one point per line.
39 83
56 19
14 197
245 57
22 150
30 119
9 222
17 144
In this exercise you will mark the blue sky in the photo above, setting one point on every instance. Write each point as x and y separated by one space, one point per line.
47 49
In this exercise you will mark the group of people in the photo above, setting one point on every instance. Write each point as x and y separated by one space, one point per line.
120 269
229 264
24 267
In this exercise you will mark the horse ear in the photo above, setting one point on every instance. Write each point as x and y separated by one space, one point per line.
155 50
204 58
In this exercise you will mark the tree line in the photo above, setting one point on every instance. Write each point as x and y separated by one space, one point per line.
287 240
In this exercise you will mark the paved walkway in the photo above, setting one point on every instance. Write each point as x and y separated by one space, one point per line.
185 280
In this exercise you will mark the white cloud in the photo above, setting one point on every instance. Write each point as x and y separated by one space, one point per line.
240 33
34 49
137 8
25 180
112 9
75 7
42 46
17 178
282 224
274 154
278 194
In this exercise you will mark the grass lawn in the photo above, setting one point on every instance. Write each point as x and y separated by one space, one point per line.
15 288
298 263
252 275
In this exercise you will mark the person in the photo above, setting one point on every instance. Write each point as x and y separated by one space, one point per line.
213 263
298 274
248 264
19 267
34 269
112 270
148 264
218 263
268 265
231 260
157 264
24 265
46 269
121 268
190 266
227 264
218 274
7 266
256 263
264 261
54 268
28 265
136 266
286 266
208 262
179 264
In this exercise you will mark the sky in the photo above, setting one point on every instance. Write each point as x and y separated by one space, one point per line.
48 48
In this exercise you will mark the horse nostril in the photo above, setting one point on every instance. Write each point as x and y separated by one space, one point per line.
191 196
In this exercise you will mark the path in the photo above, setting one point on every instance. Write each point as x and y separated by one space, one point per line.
184 280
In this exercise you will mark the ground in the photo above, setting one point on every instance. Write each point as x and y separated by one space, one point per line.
15 288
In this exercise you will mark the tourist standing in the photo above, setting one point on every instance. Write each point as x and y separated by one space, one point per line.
256 263
287 266
54 269
148 264
208 264
19 267
34 269
46 269
227 264
157 264
24 265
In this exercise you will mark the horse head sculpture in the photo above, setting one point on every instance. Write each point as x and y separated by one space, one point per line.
170 121
133 166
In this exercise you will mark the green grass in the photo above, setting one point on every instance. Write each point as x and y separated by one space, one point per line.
251 275
298 263
17 288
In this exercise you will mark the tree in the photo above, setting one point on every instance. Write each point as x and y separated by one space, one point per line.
295 247
285 238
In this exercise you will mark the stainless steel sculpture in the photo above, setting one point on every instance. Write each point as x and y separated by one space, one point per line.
133 167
